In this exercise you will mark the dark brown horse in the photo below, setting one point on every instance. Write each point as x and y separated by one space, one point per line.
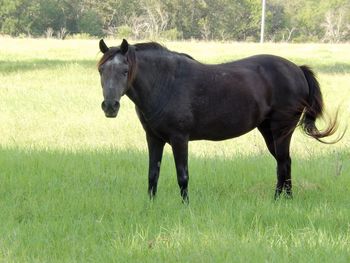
179 99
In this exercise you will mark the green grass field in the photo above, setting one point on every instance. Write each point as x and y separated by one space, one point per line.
73 183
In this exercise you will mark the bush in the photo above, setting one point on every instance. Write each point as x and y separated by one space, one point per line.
251 39
171 34
305 39
80 36
9 26
91 24
124 31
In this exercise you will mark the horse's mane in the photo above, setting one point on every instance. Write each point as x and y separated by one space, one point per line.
157 46
139 47
150 46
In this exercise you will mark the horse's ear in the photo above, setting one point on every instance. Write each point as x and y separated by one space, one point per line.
103 46
124 46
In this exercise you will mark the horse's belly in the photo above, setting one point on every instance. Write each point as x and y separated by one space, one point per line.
219 136
223 127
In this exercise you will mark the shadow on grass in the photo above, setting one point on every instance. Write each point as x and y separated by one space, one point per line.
42 64
39 64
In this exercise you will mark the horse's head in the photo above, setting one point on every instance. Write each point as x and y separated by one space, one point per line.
114 71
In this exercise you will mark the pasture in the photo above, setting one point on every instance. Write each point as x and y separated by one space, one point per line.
73 184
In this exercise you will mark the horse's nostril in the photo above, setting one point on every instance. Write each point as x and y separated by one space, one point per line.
116 104
103 105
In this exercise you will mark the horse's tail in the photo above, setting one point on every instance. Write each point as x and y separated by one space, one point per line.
314 109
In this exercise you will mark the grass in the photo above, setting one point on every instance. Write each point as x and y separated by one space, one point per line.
73 183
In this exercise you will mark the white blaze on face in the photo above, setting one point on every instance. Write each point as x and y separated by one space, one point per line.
115 61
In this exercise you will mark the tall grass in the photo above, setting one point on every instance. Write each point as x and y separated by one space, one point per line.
73 183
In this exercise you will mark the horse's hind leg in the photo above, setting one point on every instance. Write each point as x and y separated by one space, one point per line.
277 139
282 137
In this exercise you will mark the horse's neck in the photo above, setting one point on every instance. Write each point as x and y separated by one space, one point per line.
151 88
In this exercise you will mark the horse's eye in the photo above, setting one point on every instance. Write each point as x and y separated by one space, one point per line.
125 73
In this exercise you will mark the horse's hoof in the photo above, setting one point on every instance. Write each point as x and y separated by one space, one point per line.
277 194
289 195
186 200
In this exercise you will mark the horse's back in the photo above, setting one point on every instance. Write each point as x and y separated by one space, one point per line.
280 78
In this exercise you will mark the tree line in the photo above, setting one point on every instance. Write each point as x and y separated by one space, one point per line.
235 20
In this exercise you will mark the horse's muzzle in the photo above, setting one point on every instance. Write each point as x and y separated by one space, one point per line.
110 108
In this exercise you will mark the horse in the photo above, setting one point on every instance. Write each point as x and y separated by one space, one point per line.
179 99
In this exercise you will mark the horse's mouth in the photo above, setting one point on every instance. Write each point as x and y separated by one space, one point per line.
111 114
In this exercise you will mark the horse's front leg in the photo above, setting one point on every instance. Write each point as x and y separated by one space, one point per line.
155 153
179 146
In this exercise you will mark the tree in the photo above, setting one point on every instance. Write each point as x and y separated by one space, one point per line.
297 20
90 22
16 16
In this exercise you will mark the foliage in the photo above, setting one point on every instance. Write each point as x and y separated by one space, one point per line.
124 31
306 20
171 34
90 23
